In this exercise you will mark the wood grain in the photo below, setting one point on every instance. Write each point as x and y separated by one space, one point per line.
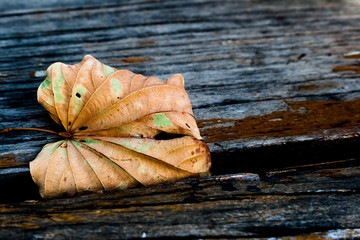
222 206
271 89
232 68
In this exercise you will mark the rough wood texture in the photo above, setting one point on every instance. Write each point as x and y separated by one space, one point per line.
271 89
226 206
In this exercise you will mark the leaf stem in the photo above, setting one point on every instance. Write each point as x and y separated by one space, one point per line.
63 134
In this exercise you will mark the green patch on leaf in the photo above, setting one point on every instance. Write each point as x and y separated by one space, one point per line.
138 145
124 128
160 120
122 186
108 70
90 141
58 83
50 148
145 147
80 90
46 83
116 86
76 144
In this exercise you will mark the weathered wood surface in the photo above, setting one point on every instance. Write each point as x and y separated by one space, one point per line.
224 206
270 87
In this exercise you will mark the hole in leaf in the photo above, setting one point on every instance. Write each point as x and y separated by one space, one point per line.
118 97
69 123
82 140
78 95
83 128
167 136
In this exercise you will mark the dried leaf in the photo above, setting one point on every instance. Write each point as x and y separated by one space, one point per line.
113 118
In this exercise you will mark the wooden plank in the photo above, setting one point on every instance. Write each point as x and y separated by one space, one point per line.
221 206
272 91
230 71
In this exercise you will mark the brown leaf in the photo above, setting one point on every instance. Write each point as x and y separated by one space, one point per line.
113 117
